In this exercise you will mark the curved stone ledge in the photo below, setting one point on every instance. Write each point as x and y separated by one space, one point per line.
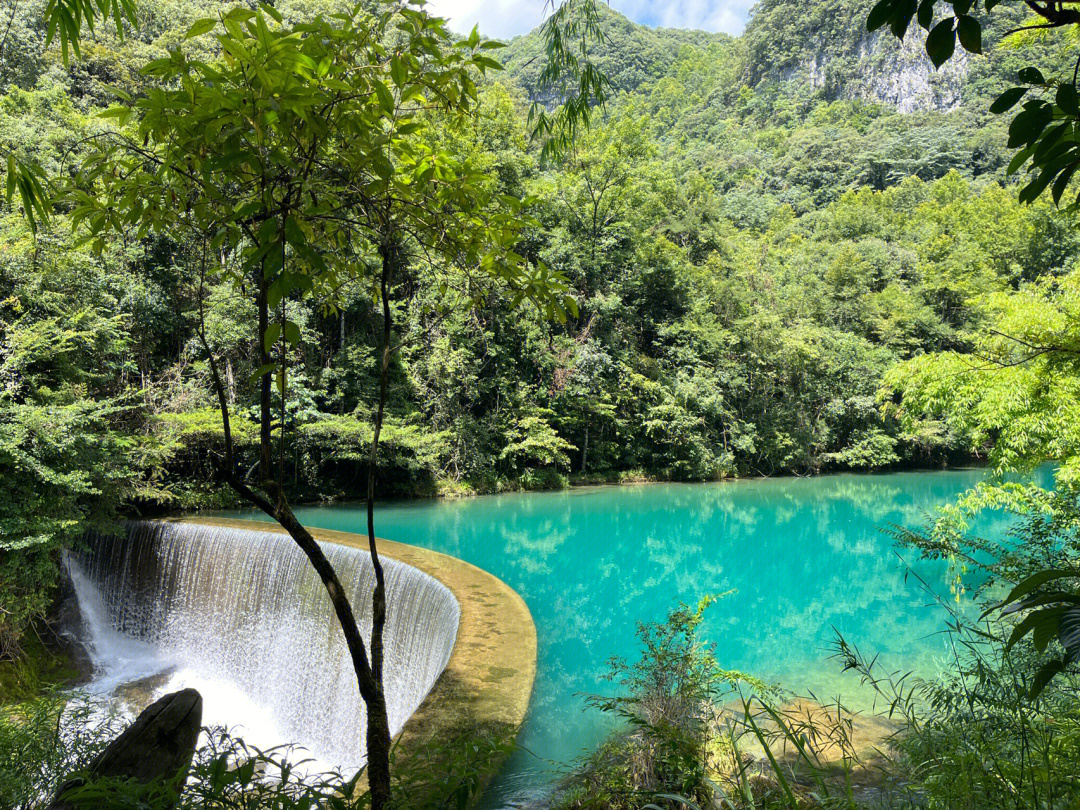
488 682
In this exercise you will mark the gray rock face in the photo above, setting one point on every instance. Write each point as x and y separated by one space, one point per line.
159 745
900 73
886 70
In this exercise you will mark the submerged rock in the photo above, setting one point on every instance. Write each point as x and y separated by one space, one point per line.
159 745
67 634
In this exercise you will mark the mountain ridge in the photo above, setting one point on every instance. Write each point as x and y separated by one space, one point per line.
823 52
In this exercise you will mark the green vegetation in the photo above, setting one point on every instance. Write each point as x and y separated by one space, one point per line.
668 702
1000 729
307 159
37 763
41 744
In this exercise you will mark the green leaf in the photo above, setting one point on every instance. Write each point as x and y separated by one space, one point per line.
294 234
1032 190
1007 100
274 293
271 12
261 372
903 11
397 71
1049 144
969 32
292 333
1043 677
941 42
1046 626
386 98
239 14
1035 581
879 15
200 27
1031 75
1028 125
1019 159
1067 99
485 62
120 94
121 114
1022 629
270 337
1069 633
381 166
926 13
1042 599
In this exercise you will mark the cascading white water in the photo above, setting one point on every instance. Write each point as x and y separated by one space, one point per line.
241 616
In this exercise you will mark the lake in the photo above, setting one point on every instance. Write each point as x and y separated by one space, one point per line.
804 558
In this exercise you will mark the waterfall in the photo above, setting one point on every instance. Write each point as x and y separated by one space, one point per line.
241 616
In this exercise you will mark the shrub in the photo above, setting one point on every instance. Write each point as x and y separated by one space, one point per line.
44 740
667 703
27 581
974 737
45 743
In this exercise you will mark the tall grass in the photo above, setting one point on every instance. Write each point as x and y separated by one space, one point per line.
971 739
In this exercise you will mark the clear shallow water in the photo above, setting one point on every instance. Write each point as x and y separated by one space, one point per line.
804 556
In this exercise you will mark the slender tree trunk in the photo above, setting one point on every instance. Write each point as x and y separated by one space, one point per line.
585 450
378 730
230 378
368 675
265 473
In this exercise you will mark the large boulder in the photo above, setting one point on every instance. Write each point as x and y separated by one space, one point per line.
158 746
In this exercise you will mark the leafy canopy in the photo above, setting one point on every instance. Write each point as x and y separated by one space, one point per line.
302 149
65 19
1045 129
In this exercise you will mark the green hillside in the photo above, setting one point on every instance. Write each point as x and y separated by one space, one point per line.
802 105
632 56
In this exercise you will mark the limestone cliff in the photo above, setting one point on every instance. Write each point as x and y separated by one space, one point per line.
886 70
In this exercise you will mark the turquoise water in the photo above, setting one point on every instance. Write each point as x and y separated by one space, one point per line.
803 556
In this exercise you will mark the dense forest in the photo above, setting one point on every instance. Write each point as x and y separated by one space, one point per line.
751 252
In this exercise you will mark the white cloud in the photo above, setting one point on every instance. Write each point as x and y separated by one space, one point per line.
507 18
496 18
708 15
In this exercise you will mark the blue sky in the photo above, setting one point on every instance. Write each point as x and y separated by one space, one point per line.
506 18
